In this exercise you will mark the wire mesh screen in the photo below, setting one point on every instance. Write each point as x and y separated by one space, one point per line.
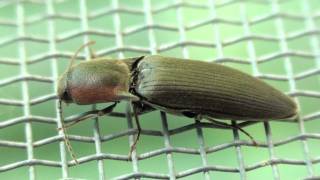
277 41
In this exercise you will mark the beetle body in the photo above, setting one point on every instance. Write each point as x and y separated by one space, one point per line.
184 87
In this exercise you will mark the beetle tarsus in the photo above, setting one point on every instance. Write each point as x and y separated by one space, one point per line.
246 133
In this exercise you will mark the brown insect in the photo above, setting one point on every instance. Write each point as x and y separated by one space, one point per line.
190 88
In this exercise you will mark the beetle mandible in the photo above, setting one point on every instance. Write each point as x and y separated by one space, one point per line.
177 86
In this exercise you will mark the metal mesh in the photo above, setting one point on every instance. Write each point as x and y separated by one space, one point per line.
22 21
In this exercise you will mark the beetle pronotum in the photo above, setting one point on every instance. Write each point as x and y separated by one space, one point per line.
190 88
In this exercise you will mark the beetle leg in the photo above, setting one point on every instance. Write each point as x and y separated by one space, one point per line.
133 146
234 126
90 114
247 123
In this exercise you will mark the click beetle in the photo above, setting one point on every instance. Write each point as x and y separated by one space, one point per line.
178 86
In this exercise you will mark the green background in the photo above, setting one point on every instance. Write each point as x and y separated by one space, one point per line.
188 139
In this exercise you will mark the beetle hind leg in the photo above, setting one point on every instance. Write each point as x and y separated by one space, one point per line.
228 126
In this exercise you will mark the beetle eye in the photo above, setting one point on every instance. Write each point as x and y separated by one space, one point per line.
66 97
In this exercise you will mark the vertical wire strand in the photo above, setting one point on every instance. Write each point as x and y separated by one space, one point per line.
314 41
96 128
203 153
253 60
216 31
181 28
153 49
289 69
167 143
149 22
219 47
185 54
250 45
242 170
311 26
54 67
119 45
25 88
275 170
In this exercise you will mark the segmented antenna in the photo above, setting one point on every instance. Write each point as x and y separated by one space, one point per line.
77 52
65 137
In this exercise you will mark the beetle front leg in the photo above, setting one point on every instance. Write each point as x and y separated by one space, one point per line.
90 114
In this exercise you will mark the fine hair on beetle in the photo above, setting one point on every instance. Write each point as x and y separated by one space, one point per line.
190 88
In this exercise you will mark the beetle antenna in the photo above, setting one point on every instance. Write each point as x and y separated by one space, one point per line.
65 137
77 52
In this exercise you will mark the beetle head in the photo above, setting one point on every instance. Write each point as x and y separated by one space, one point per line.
95 81
63 90
63 93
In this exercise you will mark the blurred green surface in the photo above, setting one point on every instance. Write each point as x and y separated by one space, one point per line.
213 137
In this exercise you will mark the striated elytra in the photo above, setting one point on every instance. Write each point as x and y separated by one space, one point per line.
178 86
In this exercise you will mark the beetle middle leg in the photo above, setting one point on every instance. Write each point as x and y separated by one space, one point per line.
133 146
